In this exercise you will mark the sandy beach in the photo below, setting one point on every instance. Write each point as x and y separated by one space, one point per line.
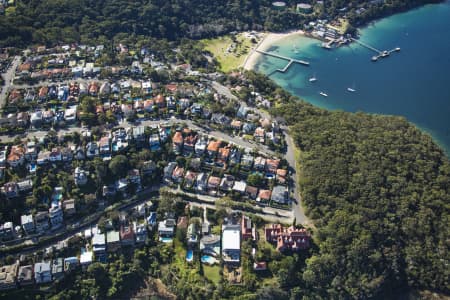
268 40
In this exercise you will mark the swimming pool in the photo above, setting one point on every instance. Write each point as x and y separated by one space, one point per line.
206 259
165 240
189 255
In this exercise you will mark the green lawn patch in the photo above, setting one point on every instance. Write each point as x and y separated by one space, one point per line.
212 273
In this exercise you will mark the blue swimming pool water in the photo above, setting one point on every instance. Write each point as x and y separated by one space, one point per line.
189 255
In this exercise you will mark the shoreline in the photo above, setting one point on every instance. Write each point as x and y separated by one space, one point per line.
267 41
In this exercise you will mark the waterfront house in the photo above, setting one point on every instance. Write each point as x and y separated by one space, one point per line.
99 246
27 223
127 235
57 268
8 276
25 275
113 240
141 232
41 221
56 216
10 190
42 272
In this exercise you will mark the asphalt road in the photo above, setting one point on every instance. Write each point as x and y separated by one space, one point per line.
8 76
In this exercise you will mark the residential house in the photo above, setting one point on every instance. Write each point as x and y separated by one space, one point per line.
3 157
242 112
121 185
70 263
70 114
148 167
210 244
202 182
248 128
42 272
247 161
177 175
56 216
86 258
189 144
25 275
8 276
57 268
80 176
260 135
31 151
195 163
247 230
213 148
104 146
69 207
36 119
55 155
22 119
141 232
151 220
281 176
66 154
222 157
41 222
154 142
189 179
192 235
166 228
280 194
48 116
200 146
25 185
92 150
10 190
264 196
113 240
236 125
27 223
226 184
43 157
127 235
220 119
99 246
168 171
134 177
260 163
139 134
235 156
239 186
182 222
231 244
251 192
7 231
272 165
289 238
177 142
213 184
16 156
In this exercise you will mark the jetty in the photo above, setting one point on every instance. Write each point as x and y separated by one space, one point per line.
288 59
379 53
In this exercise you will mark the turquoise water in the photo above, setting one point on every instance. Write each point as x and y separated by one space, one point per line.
189 255
414 82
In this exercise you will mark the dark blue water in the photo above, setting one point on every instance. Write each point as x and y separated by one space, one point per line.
414 82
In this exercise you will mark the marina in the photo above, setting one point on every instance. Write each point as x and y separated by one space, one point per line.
290 60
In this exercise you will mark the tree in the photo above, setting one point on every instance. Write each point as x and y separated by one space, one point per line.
119 165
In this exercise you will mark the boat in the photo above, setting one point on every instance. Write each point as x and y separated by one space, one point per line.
351 90
313 78
397 49
323 94
385 53
374 58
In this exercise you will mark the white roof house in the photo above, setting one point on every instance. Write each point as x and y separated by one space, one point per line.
231 243
239 186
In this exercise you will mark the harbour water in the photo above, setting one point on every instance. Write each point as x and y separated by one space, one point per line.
414 82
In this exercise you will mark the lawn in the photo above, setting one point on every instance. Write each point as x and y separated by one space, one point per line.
230 54
212 273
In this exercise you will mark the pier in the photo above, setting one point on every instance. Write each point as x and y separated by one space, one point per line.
379 53
290 60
